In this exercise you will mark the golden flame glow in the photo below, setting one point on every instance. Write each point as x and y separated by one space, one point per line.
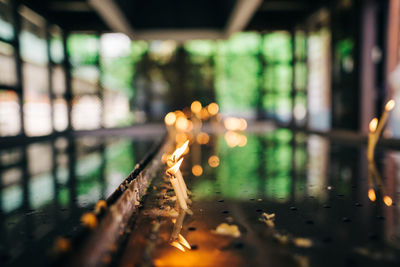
179 151
202 138
213 161
388 201
180 138
390 105
197 170
174 169
204 114
195 107
373 124
184 242
178 246
182 123
170 118
371 195
213 109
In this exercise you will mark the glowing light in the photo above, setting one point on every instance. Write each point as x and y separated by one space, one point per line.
89 220
242 141
371 195
184 242
204 115
373 124
62 244
232 124
180 138
179 152
213 109
197 170
232 138
174 169
202 138
388 201
170 119
182 123
213 161
195 107
243 124
390 105
178 246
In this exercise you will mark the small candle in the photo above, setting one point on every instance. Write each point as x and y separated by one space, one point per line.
175 184
372 139
173 159
388 107
178 192
182 184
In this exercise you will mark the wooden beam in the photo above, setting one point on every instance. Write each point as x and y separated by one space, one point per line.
112 15
241 15
178 35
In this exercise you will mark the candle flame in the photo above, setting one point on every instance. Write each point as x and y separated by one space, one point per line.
371 195
174 169
373 124
178 246
388 201
390 105
179 151
184 242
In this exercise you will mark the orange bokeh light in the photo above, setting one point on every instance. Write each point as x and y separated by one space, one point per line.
388 201
213 161
195 107
197 170
371 195
213 109
170 119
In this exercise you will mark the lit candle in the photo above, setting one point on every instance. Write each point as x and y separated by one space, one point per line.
388 107
173 159
371 139
175 184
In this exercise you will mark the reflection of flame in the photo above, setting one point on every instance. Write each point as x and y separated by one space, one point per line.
213 109
184 242
170 118
371 195
179 151
388 201
390 105
373 124
178 246
174 169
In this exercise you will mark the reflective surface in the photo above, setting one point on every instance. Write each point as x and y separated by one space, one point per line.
46 186
317 190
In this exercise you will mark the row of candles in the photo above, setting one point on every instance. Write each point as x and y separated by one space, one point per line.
185 128
375 130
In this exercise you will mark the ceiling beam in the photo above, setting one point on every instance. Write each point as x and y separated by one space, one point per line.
112 15
178 35
241 15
